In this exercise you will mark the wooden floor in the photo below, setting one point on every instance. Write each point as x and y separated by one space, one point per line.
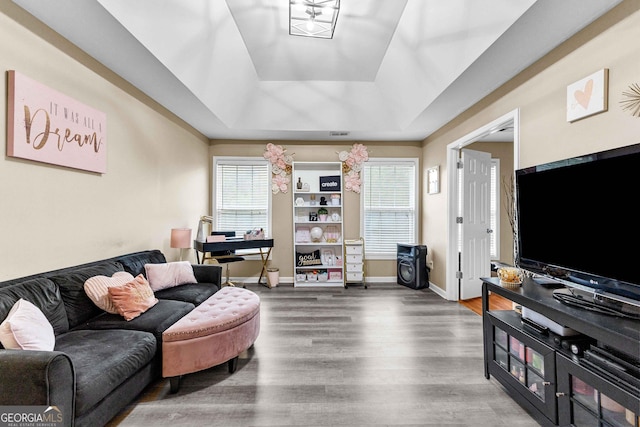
382 356
496 302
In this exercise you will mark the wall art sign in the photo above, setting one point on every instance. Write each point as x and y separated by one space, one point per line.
330 183
588 96
433 180
47 126
308 259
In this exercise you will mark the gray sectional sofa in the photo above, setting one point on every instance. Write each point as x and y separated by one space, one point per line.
100 362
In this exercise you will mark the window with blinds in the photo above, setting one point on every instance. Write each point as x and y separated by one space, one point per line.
388 200
242 195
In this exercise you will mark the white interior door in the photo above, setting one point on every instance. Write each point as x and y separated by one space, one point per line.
476 226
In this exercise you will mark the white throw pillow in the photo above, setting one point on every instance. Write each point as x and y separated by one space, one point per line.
26 328
97 289
170 274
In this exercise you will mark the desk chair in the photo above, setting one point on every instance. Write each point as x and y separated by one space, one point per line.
225 257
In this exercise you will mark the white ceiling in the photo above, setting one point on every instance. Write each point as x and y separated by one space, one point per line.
394 70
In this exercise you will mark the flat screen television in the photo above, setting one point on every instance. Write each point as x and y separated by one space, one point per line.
578 222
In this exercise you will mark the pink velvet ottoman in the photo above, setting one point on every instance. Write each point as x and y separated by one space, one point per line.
214 332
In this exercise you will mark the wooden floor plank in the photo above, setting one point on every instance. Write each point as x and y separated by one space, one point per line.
496 302
383 356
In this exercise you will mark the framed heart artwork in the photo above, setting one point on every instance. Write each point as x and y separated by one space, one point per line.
588 96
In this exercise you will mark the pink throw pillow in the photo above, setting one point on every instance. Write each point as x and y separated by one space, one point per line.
26 328
97 289
170 274
133 298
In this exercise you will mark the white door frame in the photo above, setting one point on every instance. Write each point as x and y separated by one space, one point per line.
453 293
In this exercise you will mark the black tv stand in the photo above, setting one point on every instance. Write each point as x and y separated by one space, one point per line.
598 302
555 381
547 282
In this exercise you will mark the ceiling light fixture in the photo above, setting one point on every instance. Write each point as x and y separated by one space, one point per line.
313 18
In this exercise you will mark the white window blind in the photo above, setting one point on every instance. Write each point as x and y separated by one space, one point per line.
243 191
389 194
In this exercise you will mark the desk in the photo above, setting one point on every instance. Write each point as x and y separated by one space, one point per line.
236 244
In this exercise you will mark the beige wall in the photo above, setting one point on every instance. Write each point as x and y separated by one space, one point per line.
157 167
282 204
540 94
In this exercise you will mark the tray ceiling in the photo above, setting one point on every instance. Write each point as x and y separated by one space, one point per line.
394 70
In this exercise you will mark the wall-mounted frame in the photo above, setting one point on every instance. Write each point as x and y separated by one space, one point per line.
47 126
328 257
588 96
433 180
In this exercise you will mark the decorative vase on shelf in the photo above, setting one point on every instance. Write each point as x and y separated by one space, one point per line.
299 184
316 234
322 214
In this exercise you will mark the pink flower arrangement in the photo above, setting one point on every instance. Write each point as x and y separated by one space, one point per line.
280 183
280 167
273 152
352 181
352 165
359 154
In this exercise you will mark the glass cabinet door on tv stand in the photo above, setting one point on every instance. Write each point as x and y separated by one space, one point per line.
524 364
586 398
317 224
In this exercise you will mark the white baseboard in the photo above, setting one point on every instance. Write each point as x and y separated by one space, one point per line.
438 291
379 279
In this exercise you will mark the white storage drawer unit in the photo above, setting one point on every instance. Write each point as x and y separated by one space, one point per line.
354 268
353 249
355 276
354 261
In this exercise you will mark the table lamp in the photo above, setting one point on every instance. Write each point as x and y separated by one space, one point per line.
181 239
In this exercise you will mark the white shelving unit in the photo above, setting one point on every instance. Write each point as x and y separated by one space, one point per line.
317 227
